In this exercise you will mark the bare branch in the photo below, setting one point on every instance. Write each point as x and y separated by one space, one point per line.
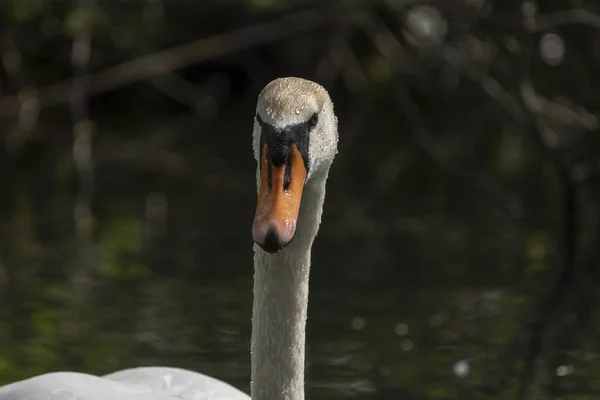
495 90
177 89
28 102
345 60
389 46
562 115
82 156
180 56
575 16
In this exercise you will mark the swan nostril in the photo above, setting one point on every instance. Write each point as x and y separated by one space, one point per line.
279 158
277 162
287 178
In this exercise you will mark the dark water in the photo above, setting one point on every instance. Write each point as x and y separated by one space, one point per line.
424 283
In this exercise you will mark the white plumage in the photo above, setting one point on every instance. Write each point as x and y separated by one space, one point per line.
145 383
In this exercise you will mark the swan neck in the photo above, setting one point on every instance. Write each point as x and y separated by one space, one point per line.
280 307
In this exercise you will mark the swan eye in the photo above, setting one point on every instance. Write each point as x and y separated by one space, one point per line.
259 119
314 119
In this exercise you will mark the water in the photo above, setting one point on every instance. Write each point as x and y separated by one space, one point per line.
423 285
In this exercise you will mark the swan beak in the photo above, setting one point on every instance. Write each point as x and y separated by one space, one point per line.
278 204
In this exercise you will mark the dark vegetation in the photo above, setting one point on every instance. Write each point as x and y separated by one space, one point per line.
462 219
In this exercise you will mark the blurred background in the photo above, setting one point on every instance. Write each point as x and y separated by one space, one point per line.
458 255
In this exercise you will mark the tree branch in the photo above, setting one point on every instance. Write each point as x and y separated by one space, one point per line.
575 16
179 56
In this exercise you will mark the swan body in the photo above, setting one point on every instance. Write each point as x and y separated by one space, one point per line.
295 141
144 383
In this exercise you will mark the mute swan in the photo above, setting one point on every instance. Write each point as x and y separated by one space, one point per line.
295 141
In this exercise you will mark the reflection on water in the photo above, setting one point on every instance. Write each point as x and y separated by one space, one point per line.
418 288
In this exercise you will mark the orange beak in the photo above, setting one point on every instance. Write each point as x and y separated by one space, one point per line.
278 207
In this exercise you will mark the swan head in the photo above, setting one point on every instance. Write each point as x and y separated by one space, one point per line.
295 141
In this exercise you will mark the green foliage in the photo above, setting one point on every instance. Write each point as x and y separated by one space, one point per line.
120 246
26 10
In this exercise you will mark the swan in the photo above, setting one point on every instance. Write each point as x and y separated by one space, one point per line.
295 140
